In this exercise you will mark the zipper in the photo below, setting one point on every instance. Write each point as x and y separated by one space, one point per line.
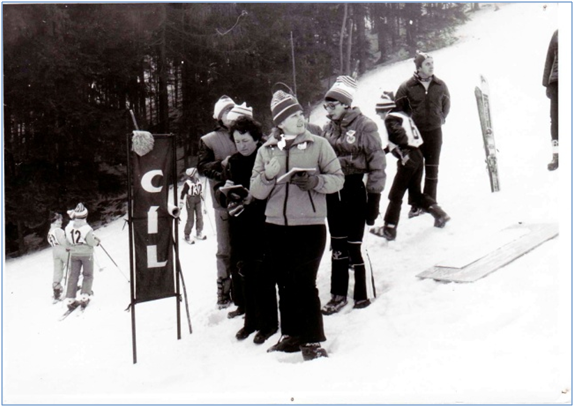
311 200
287 189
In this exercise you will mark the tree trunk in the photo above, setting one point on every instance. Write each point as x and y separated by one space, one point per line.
341 35
163 119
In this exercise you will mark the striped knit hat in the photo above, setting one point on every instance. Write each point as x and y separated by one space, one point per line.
190 172
224 103
419 58
240 110
283 105
385 103
80 212
342 90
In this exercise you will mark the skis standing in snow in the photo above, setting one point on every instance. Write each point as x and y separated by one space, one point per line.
404 143
60 254
484 108
426 99
82 240
191 197
295 233
246 236
357 144
551 82
215 148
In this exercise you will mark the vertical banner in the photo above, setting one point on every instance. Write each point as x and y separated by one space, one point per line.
152 222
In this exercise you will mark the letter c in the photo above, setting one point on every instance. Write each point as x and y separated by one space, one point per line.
147 181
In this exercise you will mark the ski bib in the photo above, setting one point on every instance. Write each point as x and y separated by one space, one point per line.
413 136
194 188
77 236
52 239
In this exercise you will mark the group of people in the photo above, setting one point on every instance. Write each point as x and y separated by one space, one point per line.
73 254
273 195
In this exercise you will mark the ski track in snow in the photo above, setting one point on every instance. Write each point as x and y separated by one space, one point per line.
503 339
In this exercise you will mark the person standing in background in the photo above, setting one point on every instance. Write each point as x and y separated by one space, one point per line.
551 83
215 149
357 144
191 197
426 99
57 239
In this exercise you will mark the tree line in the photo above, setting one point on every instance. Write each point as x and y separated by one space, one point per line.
72 71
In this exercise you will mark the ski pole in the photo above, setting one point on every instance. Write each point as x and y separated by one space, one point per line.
66 271
118 267
371 269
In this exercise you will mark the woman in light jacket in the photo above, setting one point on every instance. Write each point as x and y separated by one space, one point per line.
295 232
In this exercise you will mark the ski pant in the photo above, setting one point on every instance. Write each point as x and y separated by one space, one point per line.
194 208
431 150
223 251
407 178
61 262
85 265
553 92
346 211
293 254
261 309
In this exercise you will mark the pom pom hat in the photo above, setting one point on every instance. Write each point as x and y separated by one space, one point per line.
79 213
384 103
224 103
419 58
240 110
283 106
343 90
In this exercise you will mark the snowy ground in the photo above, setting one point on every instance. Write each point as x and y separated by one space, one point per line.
503 339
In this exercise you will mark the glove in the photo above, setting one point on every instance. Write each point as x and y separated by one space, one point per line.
181 205
305 182
372 208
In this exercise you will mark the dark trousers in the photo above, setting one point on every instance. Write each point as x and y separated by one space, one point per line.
293 254
407 178
346 219
431 150
553 91
259 296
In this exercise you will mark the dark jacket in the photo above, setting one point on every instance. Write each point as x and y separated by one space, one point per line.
357 145
551 71
428 108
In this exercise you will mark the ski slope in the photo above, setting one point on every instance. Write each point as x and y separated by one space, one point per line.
503 339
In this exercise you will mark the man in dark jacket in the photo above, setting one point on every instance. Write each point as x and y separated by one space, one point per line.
426 99
551 82
357 144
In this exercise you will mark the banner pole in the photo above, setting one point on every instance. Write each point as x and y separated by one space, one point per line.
176 245
131 250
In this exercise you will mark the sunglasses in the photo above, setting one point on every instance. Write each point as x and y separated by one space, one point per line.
330 105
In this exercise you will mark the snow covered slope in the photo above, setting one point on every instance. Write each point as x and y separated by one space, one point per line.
503 339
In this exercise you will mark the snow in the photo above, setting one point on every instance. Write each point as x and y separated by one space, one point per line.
503 339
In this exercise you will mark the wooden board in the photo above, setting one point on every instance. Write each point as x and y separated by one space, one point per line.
526 237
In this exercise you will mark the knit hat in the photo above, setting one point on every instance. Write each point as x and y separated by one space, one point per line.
342 90
190 172
240 110
79 213
419 58
283 105
221 105
384 103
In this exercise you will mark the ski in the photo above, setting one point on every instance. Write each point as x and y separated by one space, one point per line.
483 107
67 313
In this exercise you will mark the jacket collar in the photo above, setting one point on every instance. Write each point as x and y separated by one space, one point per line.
350 115
415 80
300 138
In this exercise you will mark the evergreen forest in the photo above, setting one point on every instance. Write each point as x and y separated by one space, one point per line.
72 72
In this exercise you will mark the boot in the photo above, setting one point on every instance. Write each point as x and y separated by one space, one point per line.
440 216
57 291
312 351
334 305
224 299
554 164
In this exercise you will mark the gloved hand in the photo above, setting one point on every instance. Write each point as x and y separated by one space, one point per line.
181 204
305 182
372 208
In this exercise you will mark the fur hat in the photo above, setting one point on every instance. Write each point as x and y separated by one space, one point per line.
225 102
283 105
419 58
385 102
343 90
240 110
79 213
190 172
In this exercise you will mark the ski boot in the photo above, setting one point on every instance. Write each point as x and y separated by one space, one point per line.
57 292
554 164
84 300
189 240
359 304
311 351
334 305
200 236
440 216
224 289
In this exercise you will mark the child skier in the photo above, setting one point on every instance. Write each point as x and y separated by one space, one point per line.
61 256
404 142
82 240
192 196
